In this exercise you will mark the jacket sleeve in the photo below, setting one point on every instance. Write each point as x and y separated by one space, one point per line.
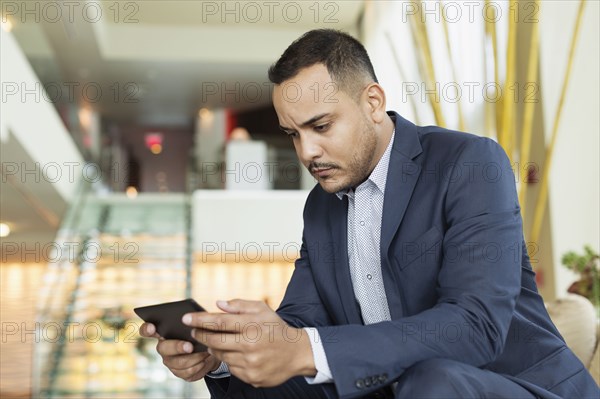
477 287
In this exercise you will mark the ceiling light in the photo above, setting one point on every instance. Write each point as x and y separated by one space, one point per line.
4 230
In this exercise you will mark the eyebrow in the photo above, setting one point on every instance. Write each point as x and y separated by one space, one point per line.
307 123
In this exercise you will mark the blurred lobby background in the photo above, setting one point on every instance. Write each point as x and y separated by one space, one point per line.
142 160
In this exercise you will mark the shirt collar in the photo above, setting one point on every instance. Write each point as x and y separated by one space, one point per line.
379 175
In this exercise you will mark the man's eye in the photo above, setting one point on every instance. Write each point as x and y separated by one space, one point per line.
292 134
322 128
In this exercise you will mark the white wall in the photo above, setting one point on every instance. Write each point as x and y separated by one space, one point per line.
247 166
574 191
250 223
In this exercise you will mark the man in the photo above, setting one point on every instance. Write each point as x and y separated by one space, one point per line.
413 279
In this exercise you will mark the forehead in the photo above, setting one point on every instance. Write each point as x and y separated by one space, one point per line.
311 89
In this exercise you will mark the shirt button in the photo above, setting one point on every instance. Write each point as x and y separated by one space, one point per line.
369 276
362 222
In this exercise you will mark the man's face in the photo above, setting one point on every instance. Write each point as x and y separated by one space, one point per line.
333 135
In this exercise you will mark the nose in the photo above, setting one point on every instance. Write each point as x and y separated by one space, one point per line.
308 148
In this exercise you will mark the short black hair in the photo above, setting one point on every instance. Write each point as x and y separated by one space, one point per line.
345 57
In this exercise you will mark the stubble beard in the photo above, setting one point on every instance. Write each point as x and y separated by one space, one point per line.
359 168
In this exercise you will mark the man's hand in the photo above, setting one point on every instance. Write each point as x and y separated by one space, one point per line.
178 357
257 345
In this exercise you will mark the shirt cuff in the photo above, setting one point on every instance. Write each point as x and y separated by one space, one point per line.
221 372
321 364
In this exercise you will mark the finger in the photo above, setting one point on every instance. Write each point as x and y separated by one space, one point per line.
189 374
218 340
172 347
238 306
148 330
227 322
185 362
233 359
203 369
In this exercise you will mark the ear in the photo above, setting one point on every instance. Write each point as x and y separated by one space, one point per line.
375 101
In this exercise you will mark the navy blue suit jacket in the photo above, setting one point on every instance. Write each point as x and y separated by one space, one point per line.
456 272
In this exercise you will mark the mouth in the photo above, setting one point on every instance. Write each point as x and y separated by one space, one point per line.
322 172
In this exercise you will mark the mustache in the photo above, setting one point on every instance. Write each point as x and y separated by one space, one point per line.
321 165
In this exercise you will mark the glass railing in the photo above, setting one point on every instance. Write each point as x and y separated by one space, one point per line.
58 285
128 253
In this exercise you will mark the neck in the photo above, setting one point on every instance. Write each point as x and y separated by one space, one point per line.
384 136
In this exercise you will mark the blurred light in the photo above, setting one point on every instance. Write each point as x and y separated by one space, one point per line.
85 118
240 134
207 118
156 148
14 282
205 113
154 142
6 24
131 192
4 230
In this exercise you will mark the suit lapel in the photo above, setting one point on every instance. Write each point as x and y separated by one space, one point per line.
338 219
398 191
397 196
402 177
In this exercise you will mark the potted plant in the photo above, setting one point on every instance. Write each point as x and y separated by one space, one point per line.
587 266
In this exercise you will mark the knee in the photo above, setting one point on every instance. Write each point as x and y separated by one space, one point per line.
434 378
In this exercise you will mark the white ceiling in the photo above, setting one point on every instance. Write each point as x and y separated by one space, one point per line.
167 58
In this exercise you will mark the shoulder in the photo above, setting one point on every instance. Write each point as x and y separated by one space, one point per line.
453 145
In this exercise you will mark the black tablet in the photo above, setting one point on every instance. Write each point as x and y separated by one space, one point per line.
167 319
